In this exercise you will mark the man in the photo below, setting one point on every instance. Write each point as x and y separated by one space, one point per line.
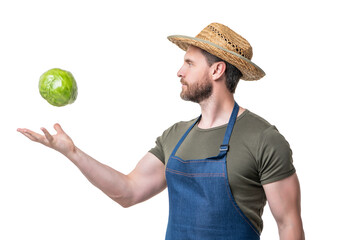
221 167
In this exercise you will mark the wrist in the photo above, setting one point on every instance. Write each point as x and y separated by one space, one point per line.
71 153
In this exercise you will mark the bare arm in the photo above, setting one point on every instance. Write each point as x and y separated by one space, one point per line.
284 201
145 181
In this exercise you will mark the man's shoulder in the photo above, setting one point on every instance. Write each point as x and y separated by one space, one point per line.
253 126
250 120
179 127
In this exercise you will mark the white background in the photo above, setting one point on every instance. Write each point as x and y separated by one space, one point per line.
129 93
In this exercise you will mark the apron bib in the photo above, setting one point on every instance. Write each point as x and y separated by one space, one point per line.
201 205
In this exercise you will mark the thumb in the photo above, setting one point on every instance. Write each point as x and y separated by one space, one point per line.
58 128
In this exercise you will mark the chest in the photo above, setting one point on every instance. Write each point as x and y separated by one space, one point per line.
201 144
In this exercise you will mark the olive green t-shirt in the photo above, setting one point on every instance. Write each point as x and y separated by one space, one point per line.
258 154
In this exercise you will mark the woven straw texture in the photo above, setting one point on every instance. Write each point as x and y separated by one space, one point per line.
226 44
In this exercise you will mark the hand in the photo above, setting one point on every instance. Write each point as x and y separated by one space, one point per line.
61 142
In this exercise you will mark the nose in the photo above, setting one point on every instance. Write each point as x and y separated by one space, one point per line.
180 72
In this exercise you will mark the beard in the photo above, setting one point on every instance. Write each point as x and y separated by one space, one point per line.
197 92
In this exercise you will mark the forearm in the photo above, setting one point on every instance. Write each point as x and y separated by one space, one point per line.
291 231
113 183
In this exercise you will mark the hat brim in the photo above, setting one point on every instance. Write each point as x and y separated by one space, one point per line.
249 70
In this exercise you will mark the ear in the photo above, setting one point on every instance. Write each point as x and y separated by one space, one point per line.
217 70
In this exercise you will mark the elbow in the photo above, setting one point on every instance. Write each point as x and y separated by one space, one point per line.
126 204
125 196
122 201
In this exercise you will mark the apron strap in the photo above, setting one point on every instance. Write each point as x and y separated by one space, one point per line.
225 145
184 136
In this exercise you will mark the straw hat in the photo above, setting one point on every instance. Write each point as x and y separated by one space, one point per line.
224 43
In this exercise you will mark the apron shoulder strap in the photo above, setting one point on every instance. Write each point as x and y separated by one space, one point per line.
225 145
184 136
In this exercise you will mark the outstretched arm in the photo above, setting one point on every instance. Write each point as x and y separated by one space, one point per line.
145 181
284 201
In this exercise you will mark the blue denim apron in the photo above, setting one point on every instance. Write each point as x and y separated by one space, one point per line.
201 205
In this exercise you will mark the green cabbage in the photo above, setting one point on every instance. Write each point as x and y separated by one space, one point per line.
58 87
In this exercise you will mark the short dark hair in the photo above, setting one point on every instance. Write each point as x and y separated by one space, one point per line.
232 74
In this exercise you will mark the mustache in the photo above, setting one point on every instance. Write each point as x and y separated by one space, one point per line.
182 81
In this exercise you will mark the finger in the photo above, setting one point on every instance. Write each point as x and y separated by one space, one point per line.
47 134
30 134
58 128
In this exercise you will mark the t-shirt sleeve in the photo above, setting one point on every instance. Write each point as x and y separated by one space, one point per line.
274 157
157 150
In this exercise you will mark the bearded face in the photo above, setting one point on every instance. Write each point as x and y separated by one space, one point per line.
196 92
195 75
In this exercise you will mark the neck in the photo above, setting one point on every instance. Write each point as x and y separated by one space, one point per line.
216 111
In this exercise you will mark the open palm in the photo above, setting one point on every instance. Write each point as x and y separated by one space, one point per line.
60 141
